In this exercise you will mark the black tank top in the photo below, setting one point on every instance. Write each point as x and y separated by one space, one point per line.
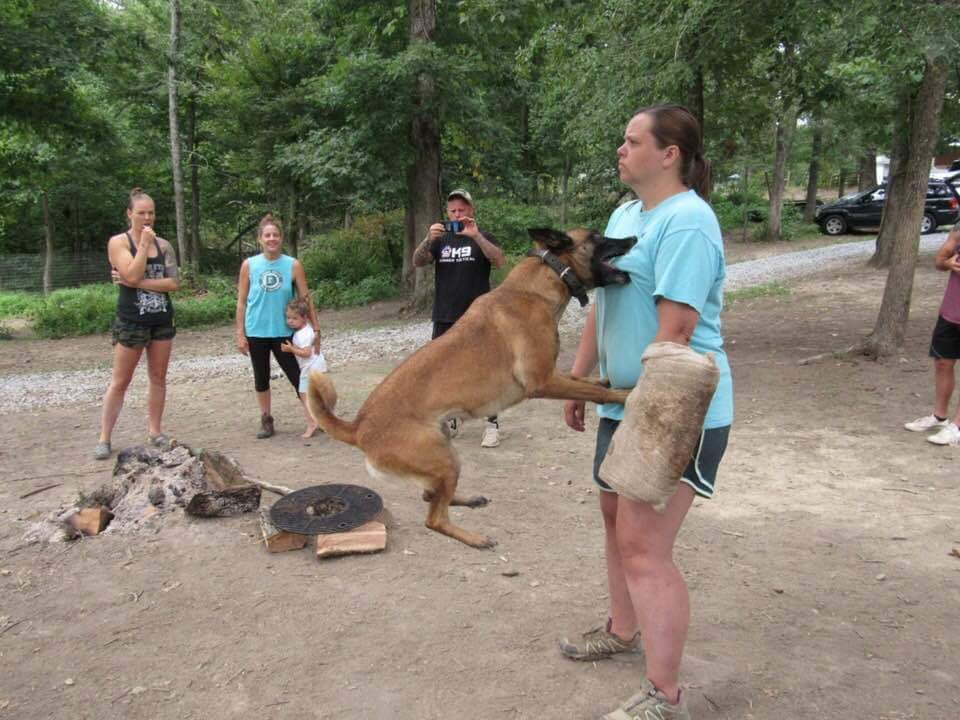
146 307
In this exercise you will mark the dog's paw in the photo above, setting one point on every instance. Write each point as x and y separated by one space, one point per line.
488 543
476 501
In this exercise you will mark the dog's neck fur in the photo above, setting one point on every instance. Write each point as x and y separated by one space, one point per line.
532 276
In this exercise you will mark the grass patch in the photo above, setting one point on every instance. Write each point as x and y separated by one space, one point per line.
19 303
772 289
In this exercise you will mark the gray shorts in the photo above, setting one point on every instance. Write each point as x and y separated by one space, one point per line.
700 474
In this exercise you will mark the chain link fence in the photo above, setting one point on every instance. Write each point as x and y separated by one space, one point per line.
25 271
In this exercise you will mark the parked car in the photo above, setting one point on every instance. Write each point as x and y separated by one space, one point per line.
863 210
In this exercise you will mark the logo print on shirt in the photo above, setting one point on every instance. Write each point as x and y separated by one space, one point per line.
271 280
456 254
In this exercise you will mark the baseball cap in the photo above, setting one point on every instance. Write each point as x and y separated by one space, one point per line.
462 194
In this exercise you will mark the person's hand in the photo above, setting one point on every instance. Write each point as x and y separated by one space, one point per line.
242 344
953 263
573 414
316 342
286 347
147 237
435 231
470 228
115 277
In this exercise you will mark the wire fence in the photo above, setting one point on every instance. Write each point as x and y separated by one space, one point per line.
25 271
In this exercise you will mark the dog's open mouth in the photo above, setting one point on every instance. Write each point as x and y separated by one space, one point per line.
604 272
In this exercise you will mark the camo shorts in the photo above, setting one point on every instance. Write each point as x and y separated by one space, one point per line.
135 335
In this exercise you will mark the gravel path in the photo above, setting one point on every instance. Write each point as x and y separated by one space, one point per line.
38 390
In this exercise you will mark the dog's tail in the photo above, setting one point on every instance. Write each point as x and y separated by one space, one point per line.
321 400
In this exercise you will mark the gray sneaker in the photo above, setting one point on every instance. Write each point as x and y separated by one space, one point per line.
102 451
650 704
599 644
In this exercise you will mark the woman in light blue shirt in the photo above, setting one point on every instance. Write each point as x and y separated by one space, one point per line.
268 282
675 294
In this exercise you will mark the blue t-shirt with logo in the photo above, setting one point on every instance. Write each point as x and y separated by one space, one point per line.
271 288
679 257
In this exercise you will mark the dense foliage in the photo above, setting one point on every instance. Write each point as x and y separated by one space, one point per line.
303 108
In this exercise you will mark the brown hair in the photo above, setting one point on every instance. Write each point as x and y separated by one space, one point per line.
300 306
268 219
136 194
676 125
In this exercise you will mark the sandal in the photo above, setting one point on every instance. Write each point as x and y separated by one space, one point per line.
158 440
102 451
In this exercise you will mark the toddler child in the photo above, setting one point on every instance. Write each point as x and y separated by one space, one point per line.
298 319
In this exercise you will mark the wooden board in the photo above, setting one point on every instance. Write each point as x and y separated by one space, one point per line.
370 537
277 540
90 521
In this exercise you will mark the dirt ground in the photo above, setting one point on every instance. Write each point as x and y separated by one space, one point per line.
820 575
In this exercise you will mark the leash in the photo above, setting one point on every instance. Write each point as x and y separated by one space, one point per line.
566 274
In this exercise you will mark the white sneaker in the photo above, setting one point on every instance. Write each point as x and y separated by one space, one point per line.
949 435
491 436
928 422
453 426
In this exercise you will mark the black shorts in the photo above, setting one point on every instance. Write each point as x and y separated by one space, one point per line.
260 349
134 335
945 344
700 474
439 328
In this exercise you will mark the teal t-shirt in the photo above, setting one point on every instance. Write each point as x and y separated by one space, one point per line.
271 288
678 256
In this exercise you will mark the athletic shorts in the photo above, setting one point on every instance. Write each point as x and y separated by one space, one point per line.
134 335
945 344
700 474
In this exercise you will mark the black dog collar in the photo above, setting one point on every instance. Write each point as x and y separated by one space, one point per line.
564 271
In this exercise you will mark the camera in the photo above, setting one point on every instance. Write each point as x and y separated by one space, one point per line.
453 226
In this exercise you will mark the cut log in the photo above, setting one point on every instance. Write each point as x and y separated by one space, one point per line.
370 537
277 540
90 521
225 503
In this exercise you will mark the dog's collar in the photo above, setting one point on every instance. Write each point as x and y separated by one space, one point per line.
564 271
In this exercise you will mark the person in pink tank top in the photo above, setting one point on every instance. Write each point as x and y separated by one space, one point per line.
945 349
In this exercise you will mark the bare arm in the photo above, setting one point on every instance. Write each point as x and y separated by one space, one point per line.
243 288
676 322
300 280
298 351
129 267
422 255
491 251
947 254
583 364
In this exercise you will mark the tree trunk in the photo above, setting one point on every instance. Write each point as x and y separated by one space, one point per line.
746 206
293 229
786 124
194 161
923 123
868 169
423 177
810 209
172 60
695 96
841 183
565 189
48 245
899 152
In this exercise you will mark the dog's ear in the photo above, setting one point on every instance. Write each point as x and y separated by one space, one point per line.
553 240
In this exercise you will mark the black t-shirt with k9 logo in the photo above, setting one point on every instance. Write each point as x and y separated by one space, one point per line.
462 274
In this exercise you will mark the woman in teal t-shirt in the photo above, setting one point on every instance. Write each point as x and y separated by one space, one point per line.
675 294
268 282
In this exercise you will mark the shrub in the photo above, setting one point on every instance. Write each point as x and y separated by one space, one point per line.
76 311
372 247
19 304
337 293
508 221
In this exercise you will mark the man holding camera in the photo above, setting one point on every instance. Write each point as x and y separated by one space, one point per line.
463 256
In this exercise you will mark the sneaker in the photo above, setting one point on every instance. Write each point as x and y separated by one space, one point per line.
102 451
599 644
650 704
491 436
266 427
160 440
949 435
453 427
925 423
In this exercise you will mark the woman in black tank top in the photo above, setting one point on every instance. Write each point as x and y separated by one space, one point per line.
144 268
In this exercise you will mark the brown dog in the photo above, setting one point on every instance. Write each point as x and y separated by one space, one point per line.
503 350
